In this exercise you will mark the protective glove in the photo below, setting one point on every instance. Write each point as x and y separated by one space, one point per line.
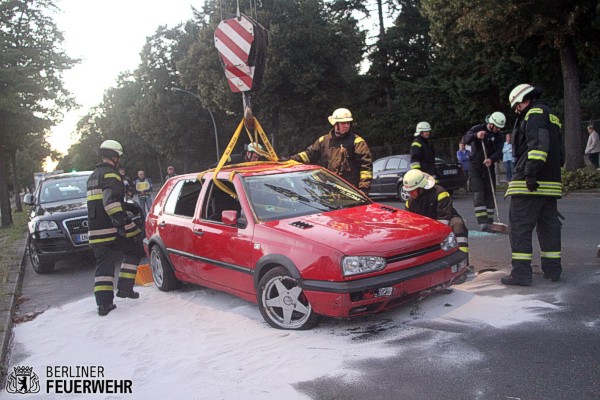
532 183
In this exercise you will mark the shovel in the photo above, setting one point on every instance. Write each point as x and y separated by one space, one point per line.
496 226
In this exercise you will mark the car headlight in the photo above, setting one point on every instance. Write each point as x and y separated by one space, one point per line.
354 265
47 226
449 243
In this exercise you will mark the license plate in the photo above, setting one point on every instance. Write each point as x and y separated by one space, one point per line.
81 238
450 172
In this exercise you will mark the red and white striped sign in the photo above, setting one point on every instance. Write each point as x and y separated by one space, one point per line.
233 40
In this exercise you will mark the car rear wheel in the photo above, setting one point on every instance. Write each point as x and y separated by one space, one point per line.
162 272
41 267
282 302
402 194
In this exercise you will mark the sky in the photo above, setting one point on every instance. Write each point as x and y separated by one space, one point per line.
107 36
196 343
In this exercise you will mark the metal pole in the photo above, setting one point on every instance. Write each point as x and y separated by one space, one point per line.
176 89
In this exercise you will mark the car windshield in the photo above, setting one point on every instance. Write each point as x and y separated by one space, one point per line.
293 194
69 188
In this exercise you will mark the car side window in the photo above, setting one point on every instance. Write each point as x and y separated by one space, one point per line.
379 165
218 201
393 163
404 162
183 198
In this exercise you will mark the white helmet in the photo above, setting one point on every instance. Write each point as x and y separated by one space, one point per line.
110 147
518 93
340 115
415 178
255 147
497 119
422 127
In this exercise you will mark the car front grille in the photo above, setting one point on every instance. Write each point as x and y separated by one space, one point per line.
75 227
52 245
405 256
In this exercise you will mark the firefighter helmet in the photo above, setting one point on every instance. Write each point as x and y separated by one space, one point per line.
517 95
415 178
111 148
422 127
497 119
255 147
340 115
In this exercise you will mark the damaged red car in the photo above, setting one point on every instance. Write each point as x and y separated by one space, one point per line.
297 240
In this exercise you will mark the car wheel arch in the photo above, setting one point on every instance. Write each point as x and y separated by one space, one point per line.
268 262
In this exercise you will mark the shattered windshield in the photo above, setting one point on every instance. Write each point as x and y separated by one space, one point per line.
293 194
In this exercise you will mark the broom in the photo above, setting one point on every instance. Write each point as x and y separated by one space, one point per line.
496 226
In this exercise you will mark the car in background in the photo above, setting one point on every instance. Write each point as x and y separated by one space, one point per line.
58 223
296 239
389 171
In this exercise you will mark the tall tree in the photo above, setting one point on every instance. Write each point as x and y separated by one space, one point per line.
31 90
564 27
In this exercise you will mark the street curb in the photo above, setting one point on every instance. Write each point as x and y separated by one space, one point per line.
13 287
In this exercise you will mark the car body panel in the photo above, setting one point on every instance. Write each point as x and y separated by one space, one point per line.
310 246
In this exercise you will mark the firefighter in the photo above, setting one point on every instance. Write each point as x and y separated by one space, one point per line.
422 155
536 186
433 201
341 151
486 137
112 233
252 152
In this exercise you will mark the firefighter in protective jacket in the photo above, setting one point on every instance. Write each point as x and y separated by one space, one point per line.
112 233
433 201
341 151
422 155
536 186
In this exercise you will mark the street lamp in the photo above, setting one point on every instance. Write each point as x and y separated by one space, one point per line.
176 89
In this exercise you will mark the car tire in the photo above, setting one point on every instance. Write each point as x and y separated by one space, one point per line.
162 271
41 267
402 194
283 303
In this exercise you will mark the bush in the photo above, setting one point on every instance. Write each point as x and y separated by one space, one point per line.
583 178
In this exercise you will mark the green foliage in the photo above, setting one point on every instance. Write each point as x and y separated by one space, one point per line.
580 179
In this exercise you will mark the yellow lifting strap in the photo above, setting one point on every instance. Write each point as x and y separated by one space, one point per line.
269 154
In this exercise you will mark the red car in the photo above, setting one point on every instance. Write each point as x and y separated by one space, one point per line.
297 240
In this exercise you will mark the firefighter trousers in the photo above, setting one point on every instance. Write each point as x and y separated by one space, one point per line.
541 213
462 234
483 198
130 253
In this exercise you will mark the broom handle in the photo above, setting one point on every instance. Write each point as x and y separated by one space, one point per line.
491 184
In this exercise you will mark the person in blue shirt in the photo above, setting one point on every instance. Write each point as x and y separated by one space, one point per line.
462 155
507 158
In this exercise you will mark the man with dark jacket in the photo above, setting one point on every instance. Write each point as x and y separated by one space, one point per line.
433 201
111 230
341 151
536 186
486 150
422 155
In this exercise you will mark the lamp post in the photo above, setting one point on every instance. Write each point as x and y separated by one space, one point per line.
176 89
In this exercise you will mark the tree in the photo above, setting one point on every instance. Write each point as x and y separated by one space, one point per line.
527 28
31 90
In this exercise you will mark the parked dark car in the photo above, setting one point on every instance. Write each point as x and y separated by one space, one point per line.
58 225
388 173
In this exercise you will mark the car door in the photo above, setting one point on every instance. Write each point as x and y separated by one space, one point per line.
378 168
224 254
394 171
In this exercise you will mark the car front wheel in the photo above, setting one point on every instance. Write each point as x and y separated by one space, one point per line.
39 266
282 302
162 272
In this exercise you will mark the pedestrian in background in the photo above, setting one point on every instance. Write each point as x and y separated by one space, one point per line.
507 158
341 151
127 183
536 186
143 189
170 172
462 155
592 150
112 233
486 151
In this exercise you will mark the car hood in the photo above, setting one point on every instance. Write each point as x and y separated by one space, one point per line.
48 209
369 229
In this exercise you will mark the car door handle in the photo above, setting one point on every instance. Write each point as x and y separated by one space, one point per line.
198 232
162 224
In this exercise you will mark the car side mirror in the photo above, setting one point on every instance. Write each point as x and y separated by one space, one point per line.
229 217
28 199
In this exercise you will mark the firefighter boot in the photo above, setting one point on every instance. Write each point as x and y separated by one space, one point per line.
104 309
131 294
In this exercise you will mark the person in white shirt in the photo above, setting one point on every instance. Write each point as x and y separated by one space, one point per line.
592 150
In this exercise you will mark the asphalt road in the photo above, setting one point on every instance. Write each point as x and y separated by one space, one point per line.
557 357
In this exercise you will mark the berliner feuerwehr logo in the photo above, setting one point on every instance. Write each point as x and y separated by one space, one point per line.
23 380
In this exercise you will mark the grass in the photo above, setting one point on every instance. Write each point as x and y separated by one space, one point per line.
9 238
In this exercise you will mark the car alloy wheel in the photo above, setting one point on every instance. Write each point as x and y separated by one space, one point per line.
282 302
40 267
162 272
